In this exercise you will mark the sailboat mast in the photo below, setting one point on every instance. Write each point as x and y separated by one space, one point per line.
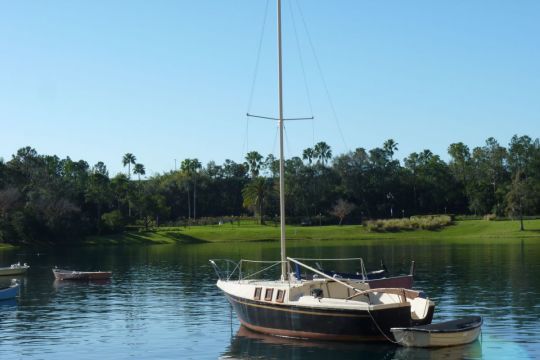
281 154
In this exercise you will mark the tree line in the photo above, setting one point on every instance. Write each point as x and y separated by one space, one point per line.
47 199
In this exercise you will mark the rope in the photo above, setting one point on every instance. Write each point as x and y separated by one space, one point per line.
379 328
376 324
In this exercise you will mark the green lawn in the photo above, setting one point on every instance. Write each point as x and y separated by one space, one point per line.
467 231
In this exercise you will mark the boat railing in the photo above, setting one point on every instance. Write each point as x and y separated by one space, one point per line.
226 269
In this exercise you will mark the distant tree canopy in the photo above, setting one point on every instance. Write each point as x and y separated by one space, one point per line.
47 199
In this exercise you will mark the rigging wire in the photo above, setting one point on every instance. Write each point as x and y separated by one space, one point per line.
255 72
336 119
275 141
304 77
257 62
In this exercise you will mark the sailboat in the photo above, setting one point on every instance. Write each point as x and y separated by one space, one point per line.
322 307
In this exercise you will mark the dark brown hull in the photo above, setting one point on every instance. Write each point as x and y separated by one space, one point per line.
322 324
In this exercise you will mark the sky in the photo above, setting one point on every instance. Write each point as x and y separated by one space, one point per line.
169 80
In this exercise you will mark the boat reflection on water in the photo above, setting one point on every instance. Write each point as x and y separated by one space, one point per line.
59 284
468 351
247 344
8 304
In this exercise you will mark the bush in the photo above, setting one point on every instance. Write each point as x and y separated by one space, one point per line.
113 221
428 222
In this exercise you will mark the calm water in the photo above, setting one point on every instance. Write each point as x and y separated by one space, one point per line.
162 302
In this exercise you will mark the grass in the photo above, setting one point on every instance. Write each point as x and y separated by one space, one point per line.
468 231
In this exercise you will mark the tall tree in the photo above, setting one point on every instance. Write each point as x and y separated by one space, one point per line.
519 198
322 152
255 194
254 161
390 147
308 154
128 160
191 167
139 170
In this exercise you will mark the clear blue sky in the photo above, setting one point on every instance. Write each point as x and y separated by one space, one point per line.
172 79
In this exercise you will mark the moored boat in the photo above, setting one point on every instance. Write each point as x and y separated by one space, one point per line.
325 308
449 333
60 274
10 291
14 269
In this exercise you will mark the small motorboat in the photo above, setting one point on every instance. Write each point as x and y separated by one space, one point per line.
15 269
449 333
11 291
60 274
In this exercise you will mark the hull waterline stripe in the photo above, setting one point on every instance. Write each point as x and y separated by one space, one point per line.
309 335
278 308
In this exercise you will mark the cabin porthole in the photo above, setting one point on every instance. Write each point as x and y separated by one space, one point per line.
268 294
257 294
280 296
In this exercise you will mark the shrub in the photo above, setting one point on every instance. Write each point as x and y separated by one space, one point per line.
428 222
113 221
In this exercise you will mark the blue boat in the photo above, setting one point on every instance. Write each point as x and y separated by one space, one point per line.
10 292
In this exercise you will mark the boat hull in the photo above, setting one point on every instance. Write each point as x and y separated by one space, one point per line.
16 270
81 275
458 332
10 292
320 323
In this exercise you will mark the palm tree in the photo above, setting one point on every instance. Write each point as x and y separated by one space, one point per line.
129 159
254 161
138 169
322 152
255 194
308 155
390 147
190 167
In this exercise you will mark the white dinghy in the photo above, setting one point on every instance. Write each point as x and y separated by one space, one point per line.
448 333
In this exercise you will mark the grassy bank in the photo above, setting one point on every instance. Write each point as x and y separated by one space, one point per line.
471 230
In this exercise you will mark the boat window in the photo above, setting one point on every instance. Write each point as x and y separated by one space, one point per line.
280 296
268 294
257 295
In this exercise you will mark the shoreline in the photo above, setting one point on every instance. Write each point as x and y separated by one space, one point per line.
464 230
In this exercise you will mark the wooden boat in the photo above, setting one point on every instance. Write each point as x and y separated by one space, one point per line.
60 274
448 333
15 269
10 292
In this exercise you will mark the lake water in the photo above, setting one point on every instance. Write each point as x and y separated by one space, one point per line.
162 302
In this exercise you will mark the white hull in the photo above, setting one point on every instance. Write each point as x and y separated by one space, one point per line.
436 338
15 269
